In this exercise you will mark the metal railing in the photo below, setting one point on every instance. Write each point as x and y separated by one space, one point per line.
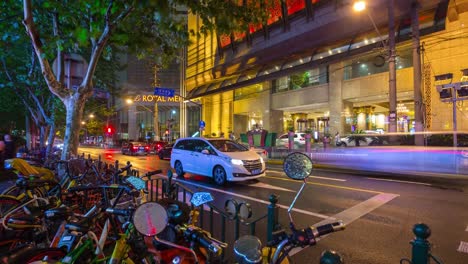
214 219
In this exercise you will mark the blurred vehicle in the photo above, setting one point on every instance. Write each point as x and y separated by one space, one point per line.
283 140
135 148
361 140
221 159
156 146
165 152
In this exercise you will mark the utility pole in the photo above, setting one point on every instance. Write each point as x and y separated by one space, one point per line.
392 90
418 104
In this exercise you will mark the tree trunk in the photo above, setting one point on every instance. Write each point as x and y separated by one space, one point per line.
74 105
50 141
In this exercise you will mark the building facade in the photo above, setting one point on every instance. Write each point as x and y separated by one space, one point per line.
320 65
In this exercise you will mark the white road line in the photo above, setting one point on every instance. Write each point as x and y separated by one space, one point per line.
463 247
352 214
259 200
420 183
268 186
311 177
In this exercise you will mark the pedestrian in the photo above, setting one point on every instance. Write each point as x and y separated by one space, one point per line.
9 152
337 139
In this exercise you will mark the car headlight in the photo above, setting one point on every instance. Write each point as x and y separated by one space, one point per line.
237 162
261 159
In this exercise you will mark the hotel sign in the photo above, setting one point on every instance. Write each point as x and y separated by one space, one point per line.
157 99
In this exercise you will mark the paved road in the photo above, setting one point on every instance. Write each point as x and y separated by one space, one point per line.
379 212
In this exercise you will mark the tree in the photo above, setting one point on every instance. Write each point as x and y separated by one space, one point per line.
153 29
22 76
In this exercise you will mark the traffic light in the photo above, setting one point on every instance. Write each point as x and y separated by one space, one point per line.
109 130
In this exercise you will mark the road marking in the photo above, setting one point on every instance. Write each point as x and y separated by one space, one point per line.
412 182
328 185
463 247
268 186
352 214
315 177
258 200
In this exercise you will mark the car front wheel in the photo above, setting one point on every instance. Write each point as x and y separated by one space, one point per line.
219 175
179 169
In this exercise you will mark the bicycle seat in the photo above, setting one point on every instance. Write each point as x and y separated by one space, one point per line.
59 213
22 221
82 226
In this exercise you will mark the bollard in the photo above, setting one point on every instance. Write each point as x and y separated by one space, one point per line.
331 257
272 217
421 246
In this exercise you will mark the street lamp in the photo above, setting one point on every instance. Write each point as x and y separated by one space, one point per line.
390 45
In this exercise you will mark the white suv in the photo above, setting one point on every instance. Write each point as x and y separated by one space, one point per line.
219 158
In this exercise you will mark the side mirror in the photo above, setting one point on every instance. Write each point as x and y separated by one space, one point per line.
150 219
200 198
137 183
297 166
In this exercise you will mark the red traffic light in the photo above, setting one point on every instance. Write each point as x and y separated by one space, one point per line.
109 130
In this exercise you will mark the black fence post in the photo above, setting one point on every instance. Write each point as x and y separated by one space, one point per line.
421 246
272 217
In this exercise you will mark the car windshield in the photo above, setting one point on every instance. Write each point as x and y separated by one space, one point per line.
225 145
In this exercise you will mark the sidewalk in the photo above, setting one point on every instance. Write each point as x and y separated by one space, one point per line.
424 164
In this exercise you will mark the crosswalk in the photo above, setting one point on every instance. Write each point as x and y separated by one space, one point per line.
463 247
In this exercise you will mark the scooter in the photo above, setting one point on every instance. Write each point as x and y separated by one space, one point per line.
248 249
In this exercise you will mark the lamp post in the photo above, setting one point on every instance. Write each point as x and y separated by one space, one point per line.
360 6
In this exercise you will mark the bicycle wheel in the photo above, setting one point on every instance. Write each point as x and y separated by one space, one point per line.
8 203
38 254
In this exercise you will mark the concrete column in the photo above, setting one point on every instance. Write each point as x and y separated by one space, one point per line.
273 121
418 103
132 129
335 101
156 121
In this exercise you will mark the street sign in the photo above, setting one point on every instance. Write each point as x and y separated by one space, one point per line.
164 92
202 124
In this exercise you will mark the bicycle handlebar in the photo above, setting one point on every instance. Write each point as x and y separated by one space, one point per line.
308 236
203 238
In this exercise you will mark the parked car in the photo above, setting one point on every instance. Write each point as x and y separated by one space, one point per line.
221 159
283 140
156 146
364 140
135 148
165 152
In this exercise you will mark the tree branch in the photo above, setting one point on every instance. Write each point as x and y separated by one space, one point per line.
60 61
97 50
10 78
55 87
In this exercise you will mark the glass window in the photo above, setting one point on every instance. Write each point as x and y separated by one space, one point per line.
300 80
199 145
227 145
377 63
185 145
250 91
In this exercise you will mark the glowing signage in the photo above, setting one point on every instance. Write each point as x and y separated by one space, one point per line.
157 99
